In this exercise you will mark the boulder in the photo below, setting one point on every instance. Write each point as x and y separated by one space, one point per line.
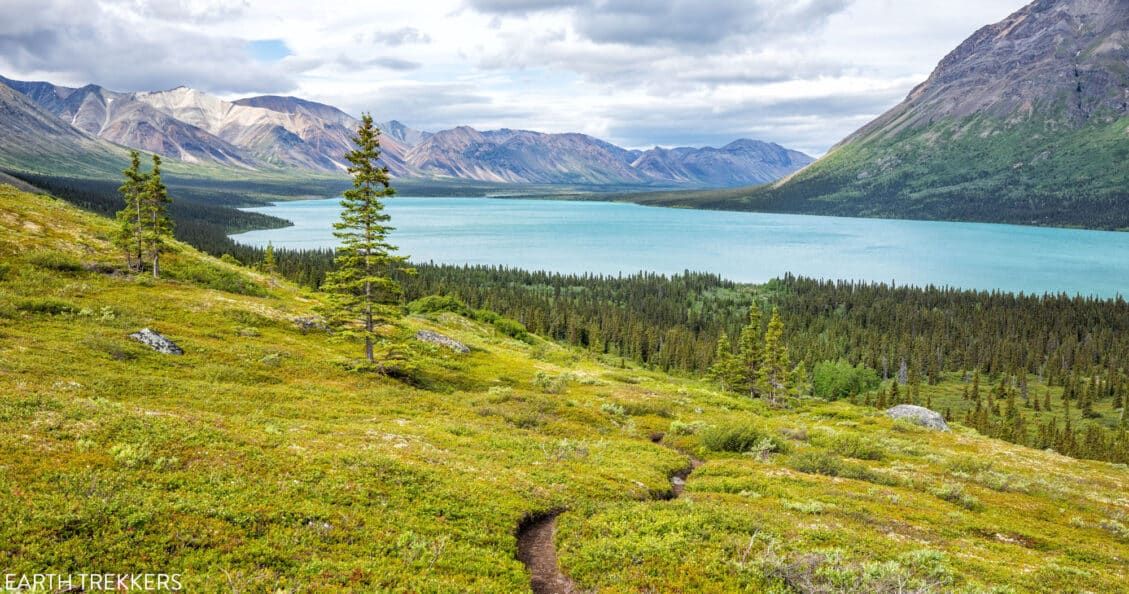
156 342
919 415
444 341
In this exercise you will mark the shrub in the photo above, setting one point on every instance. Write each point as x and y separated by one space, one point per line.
212 277
549 384
853 446
438 303
739 438
54 261
46 305
680 428
511 328
129 455
833 380
815 462
5 270
954 493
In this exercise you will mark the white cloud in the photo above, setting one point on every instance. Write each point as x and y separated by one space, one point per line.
803 73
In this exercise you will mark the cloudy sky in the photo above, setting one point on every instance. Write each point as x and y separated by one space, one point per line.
803 73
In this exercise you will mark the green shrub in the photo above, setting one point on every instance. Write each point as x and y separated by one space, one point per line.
680 428
549 384
46 305
739 438
54 261
853 446
954 493
438 303
216 278
833 380
5 270
511 328
642 409
816 462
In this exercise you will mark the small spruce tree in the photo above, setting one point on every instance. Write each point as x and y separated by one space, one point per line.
156 224
128 235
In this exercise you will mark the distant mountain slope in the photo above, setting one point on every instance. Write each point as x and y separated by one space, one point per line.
31 137
1027 121
275 133
532 157
740 162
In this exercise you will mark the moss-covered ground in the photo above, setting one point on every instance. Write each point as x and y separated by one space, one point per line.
258 461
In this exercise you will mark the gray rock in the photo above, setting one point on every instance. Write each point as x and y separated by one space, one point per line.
439 339
918 414
308 323
156 342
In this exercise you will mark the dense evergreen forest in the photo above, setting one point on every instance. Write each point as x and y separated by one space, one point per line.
928 340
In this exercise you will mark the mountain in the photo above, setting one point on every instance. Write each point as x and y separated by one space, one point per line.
739 162
32 138
279 131
122 119
521 156
1027 121
271 133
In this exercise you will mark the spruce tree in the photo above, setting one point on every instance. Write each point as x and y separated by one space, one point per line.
363 295
128 235
726 368
156 226
750 351
269 265
773 380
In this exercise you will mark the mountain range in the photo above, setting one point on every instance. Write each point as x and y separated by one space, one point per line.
1027 121
287 133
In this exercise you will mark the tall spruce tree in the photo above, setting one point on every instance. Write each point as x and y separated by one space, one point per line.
750 351
773 380
726 367
363 295
128 236
156 226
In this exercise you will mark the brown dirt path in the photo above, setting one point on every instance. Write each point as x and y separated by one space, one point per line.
537 549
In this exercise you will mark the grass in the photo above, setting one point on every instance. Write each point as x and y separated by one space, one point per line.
257 461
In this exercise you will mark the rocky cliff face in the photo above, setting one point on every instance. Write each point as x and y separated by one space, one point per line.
1066 60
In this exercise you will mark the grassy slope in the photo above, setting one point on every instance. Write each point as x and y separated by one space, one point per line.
255 461
979 169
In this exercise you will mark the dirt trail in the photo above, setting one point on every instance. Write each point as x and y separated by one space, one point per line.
537 549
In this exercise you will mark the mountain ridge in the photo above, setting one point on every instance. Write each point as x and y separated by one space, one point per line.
283 132
1026 121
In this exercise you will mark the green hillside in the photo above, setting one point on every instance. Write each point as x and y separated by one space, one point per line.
258 461
978 169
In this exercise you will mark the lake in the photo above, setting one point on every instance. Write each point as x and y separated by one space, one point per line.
612 238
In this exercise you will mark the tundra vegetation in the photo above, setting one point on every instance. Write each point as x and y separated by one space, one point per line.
260 460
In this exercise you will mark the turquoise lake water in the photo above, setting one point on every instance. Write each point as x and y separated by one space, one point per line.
612 238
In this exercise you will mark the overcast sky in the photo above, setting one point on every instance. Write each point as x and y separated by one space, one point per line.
639 73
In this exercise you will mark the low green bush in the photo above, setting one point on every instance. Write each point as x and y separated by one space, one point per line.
437 304
739 438
854 446
56 261
216 278
834 380
46 305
